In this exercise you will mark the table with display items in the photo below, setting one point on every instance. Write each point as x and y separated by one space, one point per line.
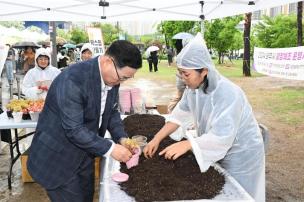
110 190
7 125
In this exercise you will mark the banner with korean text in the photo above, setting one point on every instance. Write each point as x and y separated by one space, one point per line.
285 63
96 40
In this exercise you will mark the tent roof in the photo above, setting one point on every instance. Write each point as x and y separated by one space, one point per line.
127 10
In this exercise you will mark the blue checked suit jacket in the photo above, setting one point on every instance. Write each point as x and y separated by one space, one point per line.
68 127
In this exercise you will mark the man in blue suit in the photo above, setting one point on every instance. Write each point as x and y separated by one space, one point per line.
80 106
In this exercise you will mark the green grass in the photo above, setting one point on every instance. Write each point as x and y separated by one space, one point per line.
287 105
166 73
232 70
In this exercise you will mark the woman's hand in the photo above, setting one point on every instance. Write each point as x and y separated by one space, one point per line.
176 150
151 147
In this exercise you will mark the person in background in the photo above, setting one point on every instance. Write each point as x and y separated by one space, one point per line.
19 61
153 59
9 64
80 107
71 56
37 80
180 88
77 54
28 59
86 52
170 55
63 60
226 129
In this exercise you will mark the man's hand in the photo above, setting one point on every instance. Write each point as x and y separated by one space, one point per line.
120 153
176 150
151 147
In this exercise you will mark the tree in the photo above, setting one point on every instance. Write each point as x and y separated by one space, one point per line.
35 29
220 35
246 58
17 24
170 28
237 42
110 33
299 23
277 32
79 36
63 34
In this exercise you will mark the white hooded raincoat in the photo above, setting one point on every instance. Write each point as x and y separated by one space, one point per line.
226 129
29 85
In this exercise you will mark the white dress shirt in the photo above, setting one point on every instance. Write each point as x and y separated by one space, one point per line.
104 95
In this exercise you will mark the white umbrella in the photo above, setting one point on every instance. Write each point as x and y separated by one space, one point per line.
152 48
183 35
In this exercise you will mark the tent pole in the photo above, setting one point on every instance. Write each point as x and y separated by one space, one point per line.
202 17
53 40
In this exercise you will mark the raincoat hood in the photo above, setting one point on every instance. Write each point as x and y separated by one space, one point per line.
195 55
42 52
87 46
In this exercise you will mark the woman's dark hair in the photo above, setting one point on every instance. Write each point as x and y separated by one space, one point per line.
125 54
204 84
33 49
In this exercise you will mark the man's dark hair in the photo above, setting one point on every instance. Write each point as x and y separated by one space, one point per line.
125 53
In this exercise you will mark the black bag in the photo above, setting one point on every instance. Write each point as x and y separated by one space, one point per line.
5 133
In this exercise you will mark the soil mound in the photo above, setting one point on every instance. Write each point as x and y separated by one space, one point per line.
158 179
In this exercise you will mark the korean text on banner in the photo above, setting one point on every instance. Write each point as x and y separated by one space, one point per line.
285 63
96 40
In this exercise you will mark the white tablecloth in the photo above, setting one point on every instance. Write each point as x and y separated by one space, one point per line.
9 123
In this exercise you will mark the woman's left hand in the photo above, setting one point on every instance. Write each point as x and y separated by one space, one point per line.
176 150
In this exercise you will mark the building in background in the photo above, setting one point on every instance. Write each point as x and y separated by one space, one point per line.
287 9
44 25
272 12
138 27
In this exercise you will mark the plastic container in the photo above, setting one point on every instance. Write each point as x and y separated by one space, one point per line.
34 116
125 101
137 101
142 145
17 116
140 138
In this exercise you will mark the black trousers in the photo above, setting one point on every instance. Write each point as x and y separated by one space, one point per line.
80 188
155 63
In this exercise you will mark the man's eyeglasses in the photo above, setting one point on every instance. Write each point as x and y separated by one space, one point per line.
124 78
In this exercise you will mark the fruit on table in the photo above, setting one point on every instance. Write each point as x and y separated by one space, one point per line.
25 105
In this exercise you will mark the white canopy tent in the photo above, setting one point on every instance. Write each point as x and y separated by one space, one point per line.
128 10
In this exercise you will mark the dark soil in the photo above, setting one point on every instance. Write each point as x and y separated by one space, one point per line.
158 179
143 124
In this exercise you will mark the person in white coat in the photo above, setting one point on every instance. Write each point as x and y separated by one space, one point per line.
38 79
226 129
86 52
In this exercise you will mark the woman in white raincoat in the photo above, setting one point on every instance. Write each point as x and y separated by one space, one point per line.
226 129
37 80
86 52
